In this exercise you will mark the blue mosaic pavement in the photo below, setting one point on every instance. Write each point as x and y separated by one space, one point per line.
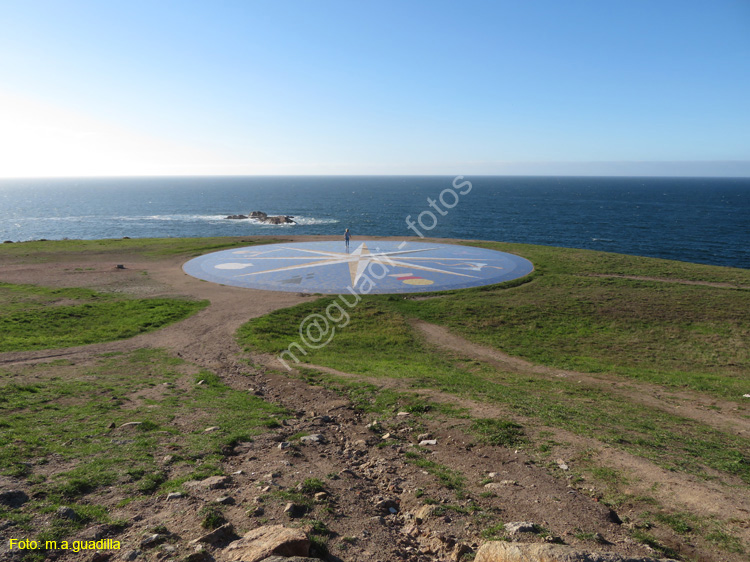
367 267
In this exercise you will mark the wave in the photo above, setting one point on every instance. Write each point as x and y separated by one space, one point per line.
185 218
313 220
179 217
602 240
222 219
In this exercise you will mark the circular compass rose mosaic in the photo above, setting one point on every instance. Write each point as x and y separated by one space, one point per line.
369 267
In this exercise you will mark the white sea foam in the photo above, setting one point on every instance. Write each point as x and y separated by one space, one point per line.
301 220
64 219
313 220
298 220
182 218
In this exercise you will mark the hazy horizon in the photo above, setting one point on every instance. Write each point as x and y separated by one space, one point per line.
415 175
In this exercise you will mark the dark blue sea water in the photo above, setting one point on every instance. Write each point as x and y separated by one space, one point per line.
690 219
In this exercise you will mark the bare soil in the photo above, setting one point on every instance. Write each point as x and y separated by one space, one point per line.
357 473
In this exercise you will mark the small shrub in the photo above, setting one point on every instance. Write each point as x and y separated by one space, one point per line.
321 529
213 518
311 486
494 532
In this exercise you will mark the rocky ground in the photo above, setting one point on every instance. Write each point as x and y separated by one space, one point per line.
357 491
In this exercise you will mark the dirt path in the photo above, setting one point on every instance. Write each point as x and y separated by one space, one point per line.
678 491
204 338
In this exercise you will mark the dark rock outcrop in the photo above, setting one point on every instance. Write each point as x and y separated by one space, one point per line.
260 216
13 498
281 219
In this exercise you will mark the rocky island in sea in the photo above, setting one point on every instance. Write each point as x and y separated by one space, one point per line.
260 216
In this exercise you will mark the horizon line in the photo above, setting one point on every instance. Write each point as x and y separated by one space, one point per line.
443 175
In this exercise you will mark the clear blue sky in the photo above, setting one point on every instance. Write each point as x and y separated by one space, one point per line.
636 87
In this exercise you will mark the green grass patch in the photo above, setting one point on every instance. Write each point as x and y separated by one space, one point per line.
370 398
319 528
35 317
312 486
565 315
649 540
61 528
501 433
569 261
459 509
451 479
725 541
678 522
77 424
494 532
379 342
294 496
238 414
68 419
50 250
678 336
212 516
682 523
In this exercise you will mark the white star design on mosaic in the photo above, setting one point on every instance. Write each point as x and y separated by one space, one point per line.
358 260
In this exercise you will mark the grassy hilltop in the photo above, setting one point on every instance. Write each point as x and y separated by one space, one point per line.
647 358
631 318
683 329
673 323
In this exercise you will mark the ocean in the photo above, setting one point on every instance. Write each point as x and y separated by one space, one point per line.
702 220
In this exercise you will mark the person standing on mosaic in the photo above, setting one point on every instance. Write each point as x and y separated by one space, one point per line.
346 237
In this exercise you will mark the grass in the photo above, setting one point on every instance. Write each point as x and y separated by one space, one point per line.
302 497
380 342
50 418
36 317
311 486
678 336
49 250
500 433
451 479
212 516
692 525
678 522
238 414
69 418
577 312
494 532
725 541
649 540
370 398
61 529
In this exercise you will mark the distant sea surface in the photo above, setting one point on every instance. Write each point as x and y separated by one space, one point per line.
699 220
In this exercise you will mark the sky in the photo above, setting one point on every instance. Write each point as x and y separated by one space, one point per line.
222 87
